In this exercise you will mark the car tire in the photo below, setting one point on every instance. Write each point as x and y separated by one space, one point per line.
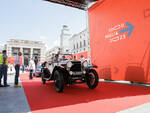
92 79
58 81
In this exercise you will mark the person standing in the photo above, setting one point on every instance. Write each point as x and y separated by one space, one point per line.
82 58
31 68
74 58
36 62
17 68
3 68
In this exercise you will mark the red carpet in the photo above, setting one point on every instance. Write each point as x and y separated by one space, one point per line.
106 98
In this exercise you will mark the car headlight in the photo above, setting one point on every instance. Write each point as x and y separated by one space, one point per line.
85 64
69 64
70 72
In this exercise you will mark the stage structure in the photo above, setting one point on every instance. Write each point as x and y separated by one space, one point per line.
120 39
80 4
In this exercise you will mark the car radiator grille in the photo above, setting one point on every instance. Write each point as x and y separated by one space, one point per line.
76 66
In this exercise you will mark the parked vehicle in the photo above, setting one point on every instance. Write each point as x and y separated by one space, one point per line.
37 72
66 71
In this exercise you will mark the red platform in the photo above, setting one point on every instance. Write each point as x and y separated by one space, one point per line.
106 98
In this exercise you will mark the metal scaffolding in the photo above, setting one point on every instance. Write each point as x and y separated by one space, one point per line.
80 4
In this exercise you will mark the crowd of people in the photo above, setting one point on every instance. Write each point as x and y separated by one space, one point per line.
17 65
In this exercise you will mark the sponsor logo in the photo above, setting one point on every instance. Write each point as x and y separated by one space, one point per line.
119 32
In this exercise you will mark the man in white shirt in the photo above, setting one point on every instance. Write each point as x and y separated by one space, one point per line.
32 68
17 68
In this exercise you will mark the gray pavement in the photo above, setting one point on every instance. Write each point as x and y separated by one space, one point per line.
126 83
144 108
13 100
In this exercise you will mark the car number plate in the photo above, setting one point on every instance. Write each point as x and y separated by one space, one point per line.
77 73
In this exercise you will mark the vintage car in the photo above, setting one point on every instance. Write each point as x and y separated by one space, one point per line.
67 71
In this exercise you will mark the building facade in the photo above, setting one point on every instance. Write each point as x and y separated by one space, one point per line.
30 49
80 42
49 54
64 40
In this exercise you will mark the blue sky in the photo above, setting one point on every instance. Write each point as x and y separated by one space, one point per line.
37 20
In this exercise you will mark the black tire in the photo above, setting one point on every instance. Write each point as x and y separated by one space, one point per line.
43 80
92 79
58 81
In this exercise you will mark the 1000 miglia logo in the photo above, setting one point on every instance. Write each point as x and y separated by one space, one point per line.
119 32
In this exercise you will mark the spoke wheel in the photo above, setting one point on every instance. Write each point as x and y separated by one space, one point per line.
58 81
92 79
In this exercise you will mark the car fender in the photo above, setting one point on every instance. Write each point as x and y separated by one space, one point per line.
58 68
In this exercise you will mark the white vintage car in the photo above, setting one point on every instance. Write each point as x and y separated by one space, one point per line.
66 71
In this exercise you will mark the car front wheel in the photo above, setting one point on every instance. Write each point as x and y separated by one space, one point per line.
58 81
92 79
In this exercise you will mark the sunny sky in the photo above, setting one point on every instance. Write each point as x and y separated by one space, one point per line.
38 20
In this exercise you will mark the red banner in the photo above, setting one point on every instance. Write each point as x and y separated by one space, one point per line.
120 39
11 60
78 56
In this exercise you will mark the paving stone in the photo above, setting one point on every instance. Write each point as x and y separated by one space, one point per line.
13 100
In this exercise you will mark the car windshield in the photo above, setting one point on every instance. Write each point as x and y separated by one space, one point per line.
65 56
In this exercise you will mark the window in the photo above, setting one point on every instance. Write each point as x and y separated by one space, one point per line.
77 45
74 46
84 43
88 43
80 44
